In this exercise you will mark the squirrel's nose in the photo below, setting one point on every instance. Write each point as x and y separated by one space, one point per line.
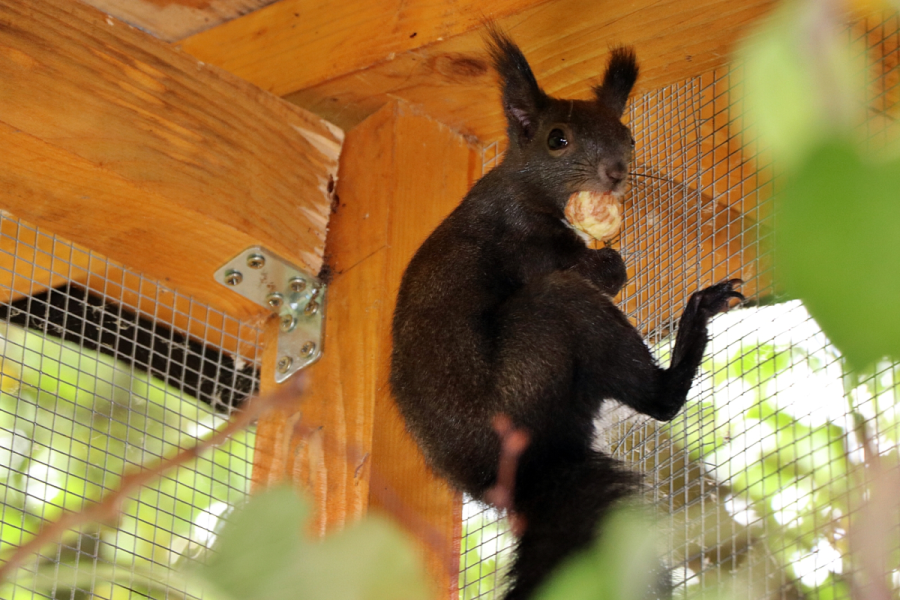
616 172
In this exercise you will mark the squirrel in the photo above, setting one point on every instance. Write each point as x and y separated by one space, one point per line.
504 311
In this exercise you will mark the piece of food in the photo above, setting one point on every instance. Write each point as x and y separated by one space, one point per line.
597 215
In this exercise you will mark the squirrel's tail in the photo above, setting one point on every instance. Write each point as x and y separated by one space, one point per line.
560 507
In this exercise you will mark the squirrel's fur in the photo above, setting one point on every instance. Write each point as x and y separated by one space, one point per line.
504 310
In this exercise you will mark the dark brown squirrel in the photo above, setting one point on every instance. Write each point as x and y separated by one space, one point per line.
504 310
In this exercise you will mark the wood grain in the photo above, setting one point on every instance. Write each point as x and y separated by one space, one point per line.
324 444
345 441
32 261
152 159
451 80
171 20
341 397
434 168
296 44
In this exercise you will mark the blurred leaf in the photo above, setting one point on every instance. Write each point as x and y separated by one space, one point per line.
261 540
802 79
263 555
615 567
839 249
372 560
830 589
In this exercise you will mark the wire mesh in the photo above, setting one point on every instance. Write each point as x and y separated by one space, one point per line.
105 371
755 480
487 541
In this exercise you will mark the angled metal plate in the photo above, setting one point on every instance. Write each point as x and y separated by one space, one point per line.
295 296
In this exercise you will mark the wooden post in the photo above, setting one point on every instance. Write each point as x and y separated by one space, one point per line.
400 175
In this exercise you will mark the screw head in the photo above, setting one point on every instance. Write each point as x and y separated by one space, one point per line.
284 364
275 300
307 349
287 322
312 307
256 261
297 284
233 277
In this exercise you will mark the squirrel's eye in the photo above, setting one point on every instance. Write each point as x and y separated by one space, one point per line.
557 140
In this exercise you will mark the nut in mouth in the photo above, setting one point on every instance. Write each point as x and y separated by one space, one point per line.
598 215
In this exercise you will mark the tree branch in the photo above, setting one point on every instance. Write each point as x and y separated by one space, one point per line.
110 506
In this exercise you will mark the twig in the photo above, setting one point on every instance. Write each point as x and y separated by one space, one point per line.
109 507
868 537
513 442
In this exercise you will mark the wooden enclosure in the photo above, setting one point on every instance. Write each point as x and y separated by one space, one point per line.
170 136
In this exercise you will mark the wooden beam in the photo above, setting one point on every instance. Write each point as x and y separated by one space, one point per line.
357 247
172 20
452 82
401 174
159 162
296 44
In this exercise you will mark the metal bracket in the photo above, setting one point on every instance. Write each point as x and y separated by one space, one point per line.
296 297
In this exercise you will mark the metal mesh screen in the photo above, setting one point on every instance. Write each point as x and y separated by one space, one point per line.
755 481
105 371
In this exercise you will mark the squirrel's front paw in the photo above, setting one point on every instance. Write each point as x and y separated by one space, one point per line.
718 298
611 270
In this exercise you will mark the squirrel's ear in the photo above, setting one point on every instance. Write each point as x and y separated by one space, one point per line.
621 73
523 99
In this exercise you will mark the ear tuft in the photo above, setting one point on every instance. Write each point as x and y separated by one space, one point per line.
523 99
621 74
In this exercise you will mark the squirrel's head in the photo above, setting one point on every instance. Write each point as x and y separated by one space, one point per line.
566 146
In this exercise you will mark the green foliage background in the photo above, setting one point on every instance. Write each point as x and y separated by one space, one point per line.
71 422
780 484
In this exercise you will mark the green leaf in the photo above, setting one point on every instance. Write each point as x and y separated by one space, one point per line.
260 541
616 567
263 555
372 560
802 79
830 589
839 249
